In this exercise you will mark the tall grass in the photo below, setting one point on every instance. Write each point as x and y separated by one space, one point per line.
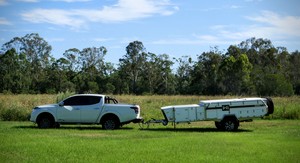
18 107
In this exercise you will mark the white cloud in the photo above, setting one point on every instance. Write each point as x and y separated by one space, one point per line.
29 1
53 16
55 39
268 25
3 2
4 21
276 24
123 10
70 1
203 40
103 39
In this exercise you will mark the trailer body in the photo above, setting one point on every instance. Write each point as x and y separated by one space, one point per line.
220 111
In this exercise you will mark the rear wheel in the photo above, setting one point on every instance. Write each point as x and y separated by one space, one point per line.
110 123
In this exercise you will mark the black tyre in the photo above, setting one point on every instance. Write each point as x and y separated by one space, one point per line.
56 125
219 125
270 106
230 124
110 123
45 122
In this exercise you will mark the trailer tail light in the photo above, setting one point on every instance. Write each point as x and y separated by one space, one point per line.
136 109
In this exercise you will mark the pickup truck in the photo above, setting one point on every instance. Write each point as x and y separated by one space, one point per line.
227 113
86 109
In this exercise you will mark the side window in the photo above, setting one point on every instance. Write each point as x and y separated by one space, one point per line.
93 100
73 101
82 100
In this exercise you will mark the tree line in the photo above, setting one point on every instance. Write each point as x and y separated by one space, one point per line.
253 67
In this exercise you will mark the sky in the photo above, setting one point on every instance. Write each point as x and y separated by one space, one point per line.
174 27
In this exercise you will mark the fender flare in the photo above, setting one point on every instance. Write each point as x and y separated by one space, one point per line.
109 113
46 112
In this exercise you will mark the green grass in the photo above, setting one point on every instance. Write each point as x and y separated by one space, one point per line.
258 141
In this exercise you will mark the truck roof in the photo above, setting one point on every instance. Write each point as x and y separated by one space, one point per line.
88 95
231 100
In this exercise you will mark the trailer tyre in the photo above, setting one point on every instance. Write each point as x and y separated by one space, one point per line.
270 106
218 125
230 124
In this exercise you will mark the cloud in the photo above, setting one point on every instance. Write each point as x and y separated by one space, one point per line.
4 21
51 40
267 24
277 24
123 10
71 1
103 39
28 1
53 16
3 2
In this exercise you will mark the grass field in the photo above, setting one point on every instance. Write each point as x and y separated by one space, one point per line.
258 141
18 107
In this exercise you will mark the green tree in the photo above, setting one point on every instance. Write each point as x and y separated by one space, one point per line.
294 71
183 75
166 80
205 75
235 74
131 65
37 53
274 85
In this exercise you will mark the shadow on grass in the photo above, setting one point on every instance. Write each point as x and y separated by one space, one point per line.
78 127
192 130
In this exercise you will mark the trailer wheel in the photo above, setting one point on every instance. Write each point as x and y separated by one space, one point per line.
219 125
230 124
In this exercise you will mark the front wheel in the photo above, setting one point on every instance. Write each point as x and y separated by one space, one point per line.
110 123
45 122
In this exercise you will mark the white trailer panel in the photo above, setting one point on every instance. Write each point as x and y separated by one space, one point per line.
218 110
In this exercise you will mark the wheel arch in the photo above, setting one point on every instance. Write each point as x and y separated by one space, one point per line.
105 116
230 116
45 114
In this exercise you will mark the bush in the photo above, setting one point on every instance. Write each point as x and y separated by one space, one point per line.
274 85
14 114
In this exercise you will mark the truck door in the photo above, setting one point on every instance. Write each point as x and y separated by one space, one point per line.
69 111
90 111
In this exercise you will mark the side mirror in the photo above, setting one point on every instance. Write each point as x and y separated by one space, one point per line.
61 103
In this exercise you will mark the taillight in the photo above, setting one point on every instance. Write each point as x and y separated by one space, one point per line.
136 109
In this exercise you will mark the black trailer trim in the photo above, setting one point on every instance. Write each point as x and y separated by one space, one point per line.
227 107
